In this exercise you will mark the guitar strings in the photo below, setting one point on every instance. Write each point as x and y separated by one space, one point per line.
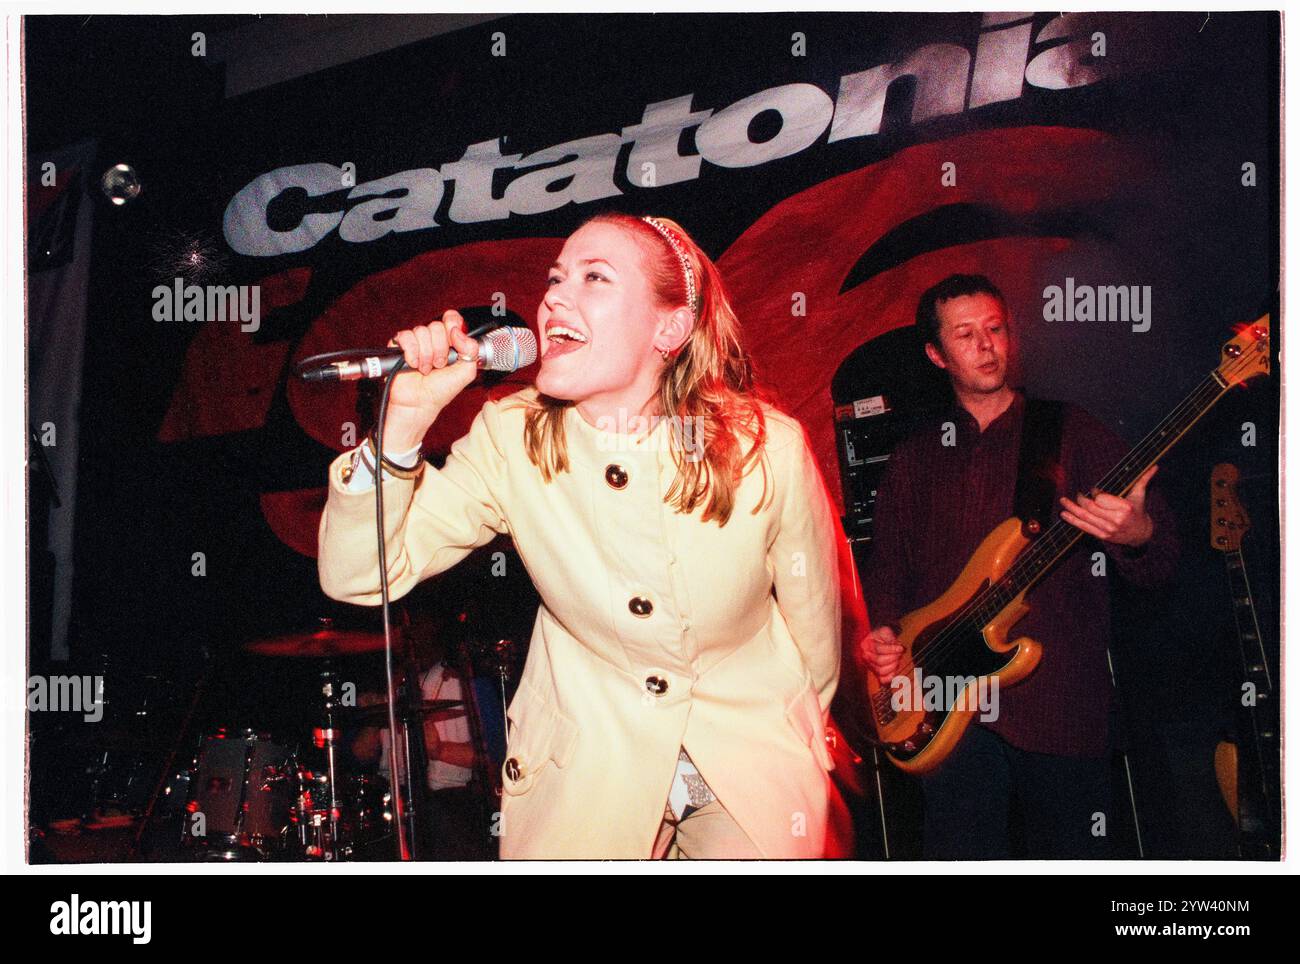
1204 396
951 635
935 647
1047 544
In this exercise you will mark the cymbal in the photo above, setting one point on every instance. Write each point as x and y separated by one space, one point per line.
319 644
377 713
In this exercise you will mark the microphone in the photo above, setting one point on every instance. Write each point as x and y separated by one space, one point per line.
503 349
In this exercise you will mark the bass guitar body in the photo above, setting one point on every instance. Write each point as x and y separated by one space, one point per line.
948 659
1225 774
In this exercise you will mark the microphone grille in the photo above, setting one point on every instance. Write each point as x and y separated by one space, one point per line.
508 349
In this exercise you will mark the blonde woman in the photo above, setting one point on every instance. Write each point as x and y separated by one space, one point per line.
681 539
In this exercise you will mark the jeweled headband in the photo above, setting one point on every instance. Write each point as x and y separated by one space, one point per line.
687 273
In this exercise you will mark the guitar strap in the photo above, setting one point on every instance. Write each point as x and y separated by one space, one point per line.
1040 464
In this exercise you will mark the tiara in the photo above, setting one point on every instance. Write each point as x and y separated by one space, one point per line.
687 273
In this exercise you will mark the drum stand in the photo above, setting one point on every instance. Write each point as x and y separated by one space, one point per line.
410 719
416 757
200 688
326 739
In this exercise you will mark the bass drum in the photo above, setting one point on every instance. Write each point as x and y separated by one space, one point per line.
243 791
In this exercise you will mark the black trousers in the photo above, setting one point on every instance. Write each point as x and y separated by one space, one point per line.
1060 807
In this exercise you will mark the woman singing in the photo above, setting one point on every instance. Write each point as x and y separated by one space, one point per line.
688 643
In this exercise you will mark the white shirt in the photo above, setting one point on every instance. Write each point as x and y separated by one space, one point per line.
452 726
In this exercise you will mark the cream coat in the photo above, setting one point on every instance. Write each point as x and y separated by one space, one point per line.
739 677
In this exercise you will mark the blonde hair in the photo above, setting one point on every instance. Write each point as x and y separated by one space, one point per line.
709 379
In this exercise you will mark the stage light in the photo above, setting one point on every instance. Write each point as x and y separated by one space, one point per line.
120 184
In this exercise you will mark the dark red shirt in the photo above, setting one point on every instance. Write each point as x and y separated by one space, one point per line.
934 506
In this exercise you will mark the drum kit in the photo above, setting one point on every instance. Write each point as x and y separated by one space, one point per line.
250 797
253 795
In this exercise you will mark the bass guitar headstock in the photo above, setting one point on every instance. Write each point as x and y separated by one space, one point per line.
1247 355
1228 519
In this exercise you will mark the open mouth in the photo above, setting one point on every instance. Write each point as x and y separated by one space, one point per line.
563 341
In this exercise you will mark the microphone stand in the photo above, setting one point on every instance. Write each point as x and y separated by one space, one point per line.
523 352
404 850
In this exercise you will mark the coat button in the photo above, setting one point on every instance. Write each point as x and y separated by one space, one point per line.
640 606
512 769
656 685
616 476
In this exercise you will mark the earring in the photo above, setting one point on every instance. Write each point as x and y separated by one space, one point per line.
663 353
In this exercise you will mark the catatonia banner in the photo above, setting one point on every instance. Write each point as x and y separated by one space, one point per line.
1114 173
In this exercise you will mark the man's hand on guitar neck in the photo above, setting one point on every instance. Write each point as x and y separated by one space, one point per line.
1124 522
881 651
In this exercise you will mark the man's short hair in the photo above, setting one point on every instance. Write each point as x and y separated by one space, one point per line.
953 286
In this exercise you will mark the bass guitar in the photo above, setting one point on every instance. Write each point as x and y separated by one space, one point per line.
963 635
1248 768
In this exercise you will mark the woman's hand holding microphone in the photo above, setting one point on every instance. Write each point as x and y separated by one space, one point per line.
430 382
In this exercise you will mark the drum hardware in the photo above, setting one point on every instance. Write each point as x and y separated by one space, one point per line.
323 643
494 662
371 809
323 737
506 654
173 787
326 642
317 820
256 795
376 714
242 797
